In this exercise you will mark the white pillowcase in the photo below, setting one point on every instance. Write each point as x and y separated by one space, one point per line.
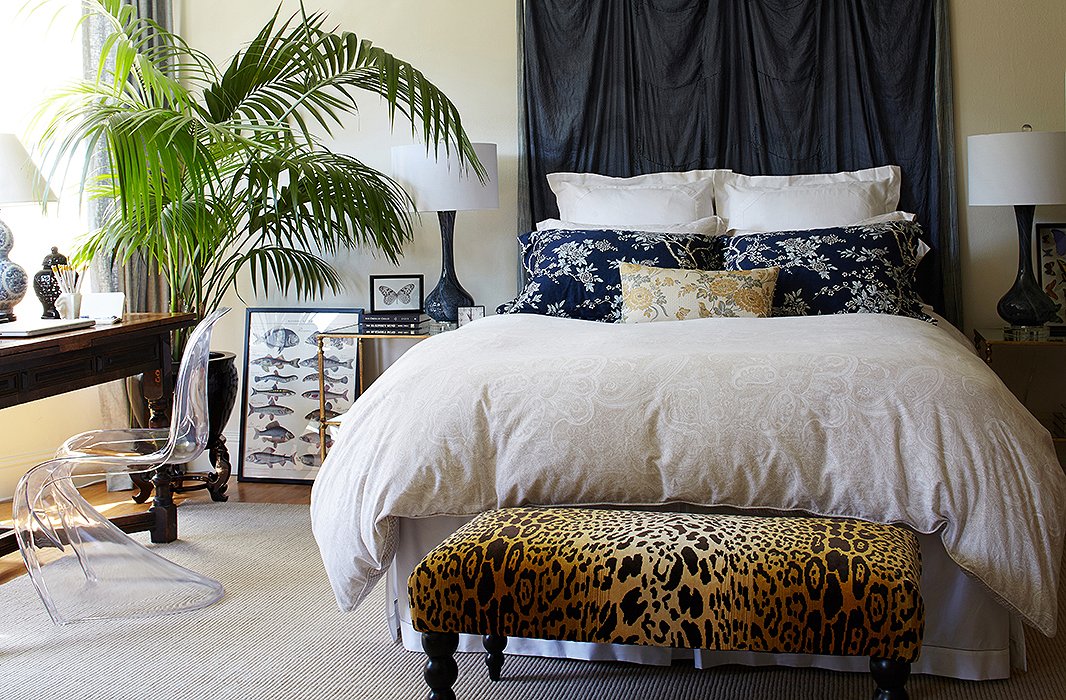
879 219
709 226
797 202
656 198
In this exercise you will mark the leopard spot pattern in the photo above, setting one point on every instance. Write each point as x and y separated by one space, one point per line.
724 582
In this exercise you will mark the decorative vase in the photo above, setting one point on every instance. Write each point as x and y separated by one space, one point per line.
442 304
13 279
44 283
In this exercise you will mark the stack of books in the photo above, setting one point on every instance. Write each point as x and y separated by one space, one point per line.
395 323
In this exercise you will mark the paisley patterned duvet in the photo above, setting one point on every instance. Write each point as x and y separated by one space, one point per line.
876 417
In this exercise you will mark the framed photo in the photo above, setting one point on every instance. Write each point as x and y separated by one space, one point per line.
396 293
470 313
280 437
1051 239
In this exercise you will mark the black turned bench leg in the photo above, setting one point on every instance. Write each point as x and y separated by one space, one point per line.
441 670
890 677
494 645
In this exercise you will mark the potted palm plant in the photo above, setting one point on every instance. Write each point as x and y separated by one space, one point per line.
216 175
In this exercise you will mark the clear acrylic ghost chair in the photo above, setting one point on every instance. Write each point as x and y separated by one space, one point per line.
85 568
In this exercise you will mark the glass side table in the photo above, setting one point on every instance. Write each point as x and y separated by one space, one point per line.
1034 371
325 419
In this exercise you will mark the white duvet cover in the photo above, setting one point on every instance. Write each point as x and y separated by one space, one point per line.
875 417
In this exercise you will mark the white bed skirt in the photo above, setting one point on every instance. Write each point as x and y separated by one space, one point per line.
968 635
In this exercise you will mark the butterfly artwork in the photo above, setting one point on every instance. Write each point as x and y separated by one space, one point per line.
393 293
389 295
1052 240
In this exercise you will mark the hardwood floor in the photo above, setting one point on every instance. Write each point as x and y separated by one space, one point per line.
118 503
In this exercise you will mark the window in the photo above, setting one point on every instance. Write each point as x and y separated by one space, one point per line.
40 51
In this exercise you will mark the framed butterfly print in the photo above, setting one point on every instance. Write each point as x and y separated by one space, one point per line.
1051 238
396 293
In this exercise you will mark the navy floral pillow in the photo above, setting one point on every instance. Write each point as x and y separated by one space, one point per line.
854 269
574 274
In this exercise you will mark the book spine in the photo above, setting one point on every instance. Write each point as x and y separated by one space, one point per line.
404 326
393 331
396 318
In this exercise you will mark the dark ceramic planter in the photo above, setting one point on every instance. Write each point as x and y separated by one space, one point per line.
221 393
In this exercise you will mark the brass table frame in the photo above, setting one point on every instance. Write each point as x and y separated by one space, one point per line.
323 424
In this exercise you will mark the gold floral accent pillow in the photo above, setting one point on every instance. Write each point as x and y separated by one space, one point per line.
659 294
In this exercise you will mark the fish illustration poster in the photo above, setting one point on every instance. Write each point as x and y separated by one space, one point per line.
282 398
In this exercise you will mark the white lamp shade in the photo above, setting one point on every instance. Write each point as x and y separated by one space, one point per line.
1018 168
20 180
437 182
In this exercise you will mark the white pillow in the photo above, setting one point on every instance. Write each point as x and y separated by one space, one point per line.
890 216
709 226
797 202
879 219
656 198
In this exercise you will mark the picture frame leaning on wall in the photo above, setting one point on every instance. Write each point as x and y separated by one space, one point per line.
280 439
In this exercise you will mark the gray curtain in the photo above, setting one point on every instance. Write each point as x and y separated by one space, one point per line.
122 402
145 290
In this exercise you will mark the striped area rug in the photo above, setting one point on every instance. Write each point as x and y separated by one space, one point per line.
278 635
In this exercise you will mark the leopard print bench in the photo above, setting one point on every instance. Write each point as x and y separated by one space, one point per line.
723 582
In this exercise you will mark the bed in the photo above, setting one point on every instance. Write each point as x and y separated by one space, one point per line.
848 399
871 416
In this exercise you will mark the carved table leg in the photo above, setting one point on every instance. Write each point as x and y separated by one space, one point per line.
494 646
890 677
156 397
441 670
164 512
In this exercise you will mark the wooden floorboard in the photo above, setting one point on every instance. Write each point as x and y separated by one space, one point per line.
117 503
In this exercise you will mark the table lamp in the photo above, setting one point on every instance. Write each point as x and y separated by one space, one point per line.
1020 169
20 183
437 182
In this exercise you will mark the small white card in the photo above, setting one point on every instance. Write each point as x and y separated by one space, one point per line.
103 307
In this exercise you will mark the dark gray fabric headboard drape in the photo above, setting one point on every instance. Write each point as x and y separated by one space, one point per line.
765 87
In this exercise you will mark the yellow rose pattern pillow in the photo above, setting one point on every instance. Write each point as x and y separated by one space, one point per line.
660 294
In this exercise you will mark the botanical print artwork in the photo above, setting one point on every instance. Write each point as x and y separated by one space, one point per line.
1052 240
280 437
658 294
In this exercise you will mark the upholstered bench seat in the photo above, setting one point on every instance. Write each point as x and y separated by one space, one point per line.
723 582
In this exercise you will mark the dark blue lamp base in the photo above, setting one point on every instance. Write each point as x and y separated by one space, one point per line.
1026 304
443 303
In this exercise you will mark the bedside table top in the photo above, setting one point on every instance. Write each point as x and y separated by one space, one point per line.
997 335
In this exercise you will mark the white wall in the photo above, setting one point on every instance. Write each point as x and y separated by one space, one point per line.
1009 59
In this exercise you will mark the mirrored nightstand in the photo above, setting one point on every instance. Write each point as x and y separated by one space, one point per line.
1035 372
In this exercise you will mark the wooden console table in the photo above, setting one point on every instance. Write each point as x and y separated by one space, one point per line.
35 368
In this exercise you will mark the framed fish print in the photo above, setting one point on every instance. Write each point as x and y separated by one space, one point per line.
279 439
396 293
1051 239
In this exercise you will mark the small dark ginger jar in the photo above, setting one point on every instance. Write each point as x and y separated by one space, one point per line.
44 283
